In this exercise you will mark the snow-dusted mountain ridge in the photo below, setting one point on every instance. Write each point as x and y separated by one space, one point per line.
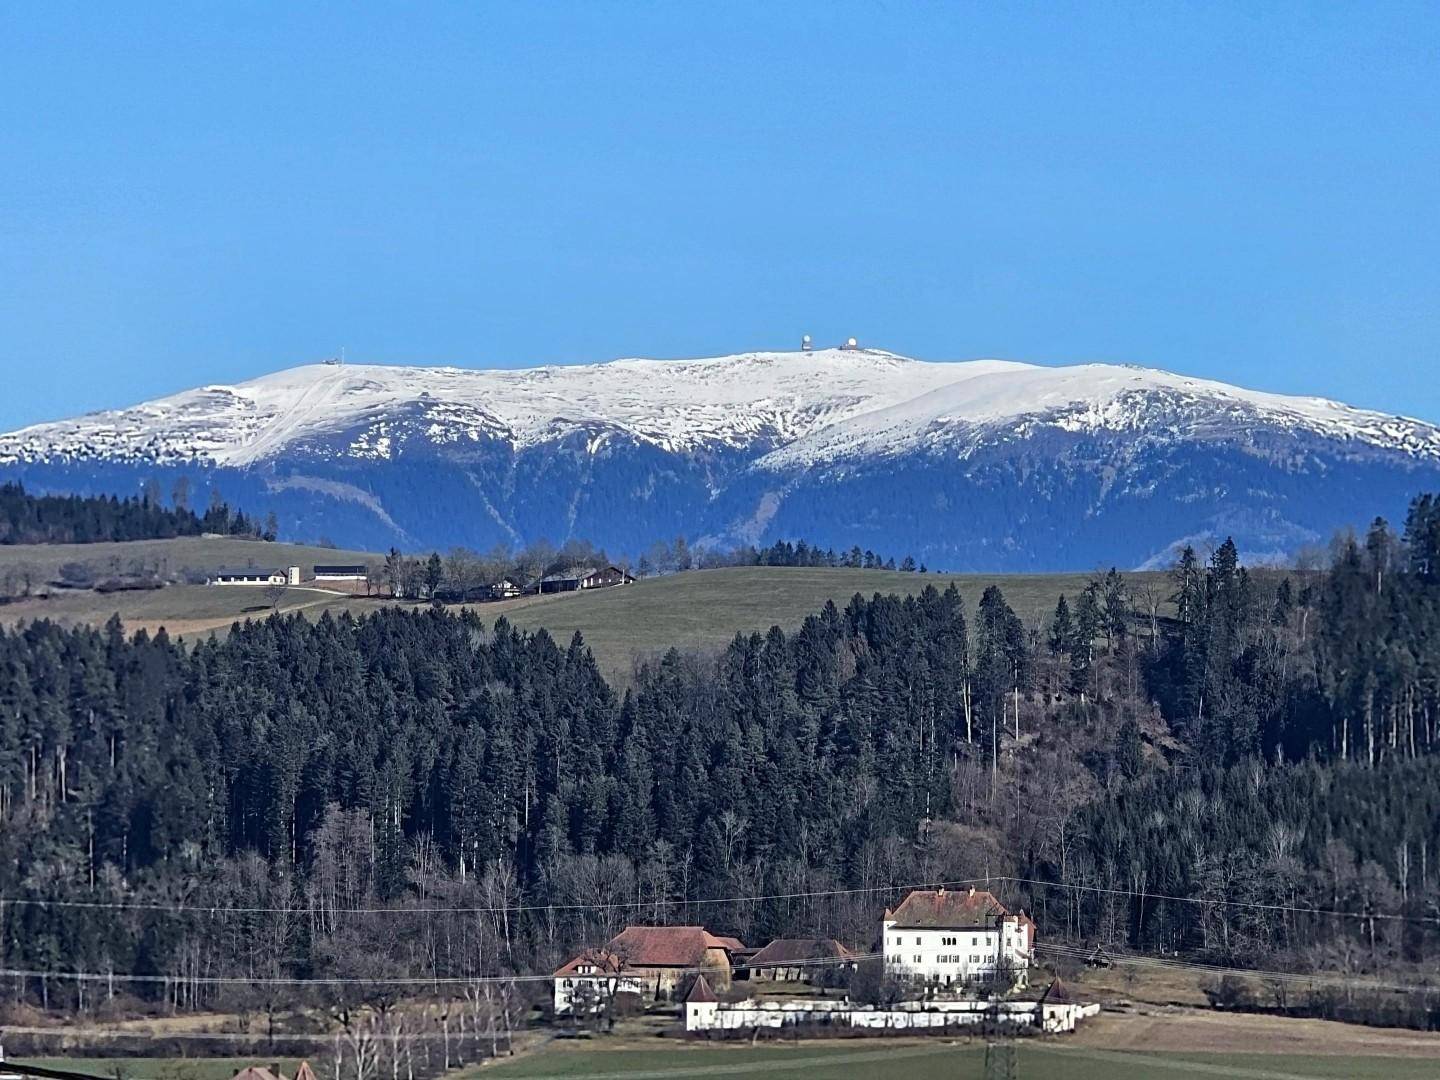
982 464
810 407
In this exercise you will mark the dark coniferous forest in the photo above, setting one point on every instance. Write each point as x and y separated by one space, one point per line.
87 519
1239 768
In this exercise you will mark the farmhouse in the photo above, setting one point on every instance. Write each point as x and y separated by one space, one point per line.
585 983
648 961
956 939
249 575
356 572
799 959
584 577
502 590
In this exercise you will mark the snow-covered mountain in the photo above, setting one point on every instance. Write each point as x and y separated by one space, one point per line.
987 464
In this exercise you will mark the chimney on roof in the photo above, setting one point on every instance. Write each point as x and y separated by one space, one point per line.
972 890
940 891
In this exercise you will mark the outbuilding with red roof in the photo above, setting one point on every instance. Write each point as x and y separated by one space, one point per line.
650 961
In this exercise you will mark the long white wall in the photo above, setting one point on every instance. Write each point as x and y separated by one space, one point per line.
745 1015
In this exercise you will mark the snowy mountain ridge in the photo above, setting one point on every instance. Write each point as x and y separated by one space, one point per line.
980 465
784 409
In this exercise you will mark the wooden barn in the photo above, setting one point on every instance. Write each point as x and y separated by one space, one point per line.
799 959
584 577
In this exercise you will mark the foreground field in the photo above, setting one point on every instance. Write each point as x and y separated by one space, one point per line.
942 1060
1152 1042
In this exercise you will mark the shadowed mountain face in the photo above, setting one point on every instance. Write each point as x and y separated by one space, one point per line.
985 465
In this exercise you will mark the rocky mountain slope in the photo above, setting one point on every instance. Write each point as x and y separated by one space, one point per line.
980 465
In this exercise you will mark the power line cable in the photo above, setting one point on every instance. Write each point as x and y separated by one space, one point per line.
378 980
635 905
44 1072
503 909
1386 916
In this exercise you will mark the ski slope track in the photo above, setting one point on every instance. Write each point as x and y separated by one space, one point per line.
985 464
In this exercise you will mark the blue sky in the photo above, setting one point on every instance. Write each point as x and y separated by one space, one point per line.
201 193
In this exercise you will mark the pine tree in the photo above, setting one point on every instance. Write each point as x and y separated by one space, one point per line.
1062 628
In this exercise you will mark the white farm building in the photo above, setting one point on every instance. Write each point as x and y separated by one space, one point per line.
955 939
256 575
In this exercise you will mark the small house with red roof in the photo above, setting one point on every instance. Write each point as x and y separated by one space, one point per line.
701 1005
945 939
649 961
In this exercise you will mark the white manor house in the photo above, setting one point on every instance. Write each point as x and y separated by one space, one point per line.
955 939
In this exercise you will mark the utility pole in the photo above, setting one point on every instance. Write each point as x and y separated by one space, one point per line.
1001 1060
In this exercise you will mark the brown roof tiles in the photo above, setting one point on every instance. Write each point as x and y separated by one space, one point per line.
941 909
700 992
784 951
667 946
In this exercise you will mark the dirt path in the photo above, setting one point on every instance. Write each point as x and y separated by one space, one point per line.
187 627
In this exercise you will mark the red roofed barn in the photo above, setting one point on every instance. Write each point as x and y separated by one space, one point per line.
650 961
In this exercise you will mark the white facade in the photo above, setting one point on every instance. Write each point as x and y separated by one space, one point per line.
341 573
596 988
965 950
908 1015
957 956
249 577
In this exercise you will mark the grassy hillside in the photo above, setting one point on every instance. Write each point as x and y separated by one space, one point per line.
43 561
184 610
704 609
700 610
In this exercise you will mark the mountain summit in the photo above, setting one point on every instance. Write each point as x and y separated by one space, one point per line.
986 464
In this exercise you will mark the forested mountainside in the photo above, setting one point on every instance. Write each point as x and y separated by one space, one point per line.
73 519
1270 750
985 465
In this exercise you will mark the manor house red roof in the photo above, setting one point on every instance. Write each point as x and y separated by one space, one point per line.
941 909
